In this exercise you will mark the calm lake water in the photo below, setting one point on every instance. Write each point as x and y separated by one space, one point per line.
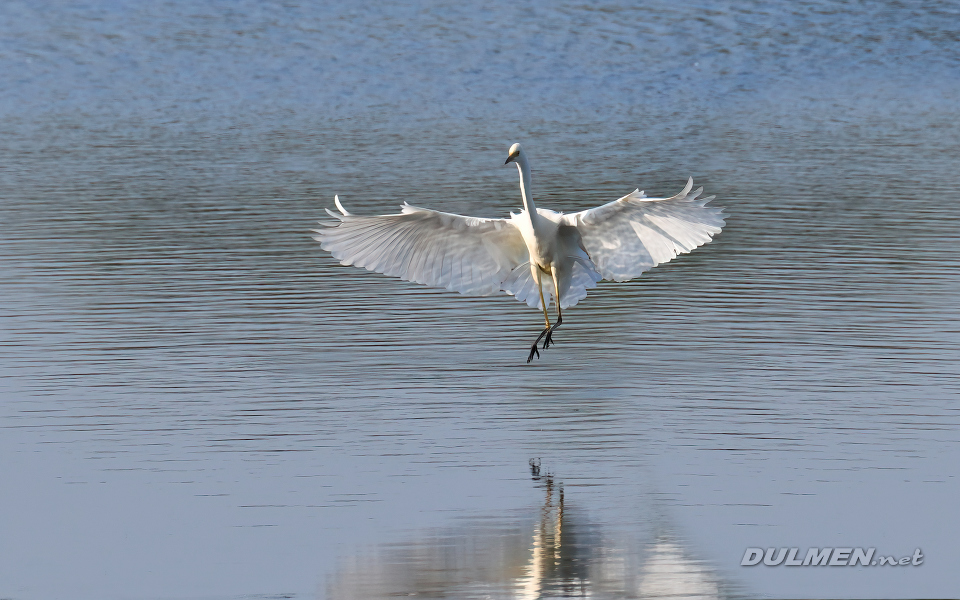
198 402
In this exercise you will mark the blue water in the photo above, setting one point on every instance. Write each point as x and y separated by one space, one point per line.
198 402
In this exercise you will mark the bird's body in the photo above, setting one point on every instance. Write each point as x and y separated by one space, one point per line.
537 255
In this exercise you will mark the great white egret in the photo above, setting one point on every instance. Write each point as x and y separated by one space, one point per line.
538 255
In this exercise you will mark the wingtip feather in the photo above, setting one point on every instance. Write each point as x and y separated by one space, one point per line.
336 200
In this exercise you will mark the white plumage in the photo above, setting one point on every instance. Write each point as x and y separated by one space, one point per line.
617 241
633 234
464 254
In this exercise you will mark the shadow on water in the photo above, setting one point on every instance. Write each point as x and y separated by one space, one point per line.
552 551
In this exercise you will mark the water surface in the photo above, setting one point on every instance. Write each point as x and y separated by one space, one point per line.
198 402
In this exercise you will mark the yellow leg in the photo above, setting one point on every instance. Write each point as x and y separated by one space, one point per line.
556 287
543 303
549 330
546 316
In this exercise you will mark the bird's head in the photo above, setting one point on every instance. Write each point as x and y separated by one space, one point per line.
515 151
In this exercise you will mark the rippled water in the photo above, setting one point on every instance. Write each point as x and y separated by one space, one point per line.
198 402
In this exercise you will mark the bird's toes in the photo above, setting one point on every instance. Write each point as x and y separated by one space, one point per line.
533 351
548 340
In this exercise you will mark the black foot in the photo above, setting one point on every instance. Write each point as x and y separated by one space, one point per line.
549 332
548 340
533 350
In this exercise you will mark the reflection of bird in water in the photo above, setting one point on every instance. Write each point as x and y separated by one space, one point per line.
556 563
556 554
537 255
668 573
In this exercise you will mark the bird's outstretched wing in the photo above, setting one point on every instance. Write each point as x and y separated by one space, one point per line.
465 254
626 237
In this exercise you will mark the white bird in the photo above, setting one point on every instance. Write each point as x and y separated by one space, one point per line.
538 255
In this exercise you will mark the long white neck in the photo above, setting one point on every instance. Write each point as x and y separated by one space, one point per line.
524 167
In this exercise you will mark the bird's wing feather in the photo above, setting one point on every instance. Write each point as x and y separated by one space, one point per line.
628 236
523 286
465 254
